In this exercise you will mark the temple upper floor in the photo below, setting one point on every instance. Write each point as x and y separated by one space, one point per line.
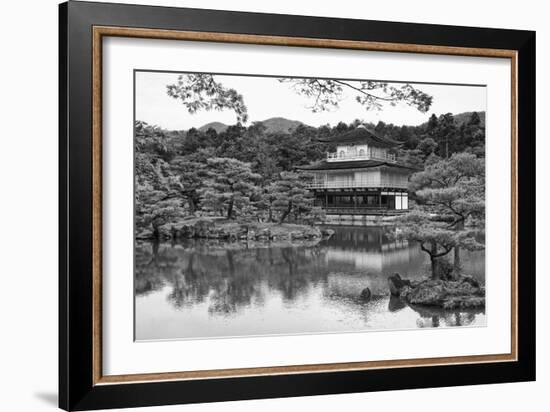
362 143
379 177
360 152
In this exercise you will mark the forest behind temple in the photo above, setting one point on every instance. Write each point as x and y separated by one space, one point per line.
277 145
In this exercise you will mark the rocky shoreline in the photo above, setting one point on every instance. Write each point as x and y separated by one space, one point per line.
232 230
462 293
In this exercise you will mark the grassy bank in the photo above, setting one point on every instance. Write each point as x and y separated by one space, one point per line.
233 230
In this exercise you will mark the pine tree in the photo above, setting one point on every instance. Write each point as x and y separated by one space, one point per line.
292 196
155 202
432 124
453 188
435 238
229 186
445 133
154 208
475 120
188 173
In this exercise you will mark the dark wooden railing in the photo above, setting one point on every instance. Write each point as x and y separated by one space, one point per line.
361 210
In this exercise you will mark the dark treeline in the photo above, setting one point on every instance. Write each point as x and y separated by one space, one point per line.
271 153
248 171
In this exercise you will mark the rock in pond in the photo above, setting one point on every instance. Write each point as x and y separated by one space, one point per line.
396 284
366 294
462 293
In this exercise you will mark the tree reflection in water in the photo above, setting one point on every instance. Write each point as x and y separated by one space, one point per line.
435 317
233 280
230 279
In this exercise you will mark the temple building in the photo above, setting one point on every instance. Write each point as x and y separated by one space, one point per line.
363 176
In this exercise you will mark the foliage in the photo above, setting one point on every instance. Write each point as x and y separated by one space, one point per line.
188 173
174 167
291 197
427 146
448 187
229 186
327 94
455 186
453 135
154 208
202 92
434 237
154 203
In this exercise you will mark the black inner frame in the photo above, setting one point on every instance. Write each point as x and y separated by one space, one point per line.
76 389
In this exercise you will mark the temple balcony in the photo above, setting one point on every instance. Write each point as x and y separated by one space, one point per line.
362 210
358 184
346 157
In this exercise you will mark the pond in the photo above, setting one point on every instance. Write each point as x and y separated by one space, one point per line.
202 289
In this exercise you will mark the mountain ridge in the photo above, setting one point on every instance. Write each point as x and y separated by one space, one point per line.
284 125
272 125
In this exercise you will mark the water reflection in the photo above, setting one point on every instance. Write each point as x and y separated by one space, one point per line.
206 289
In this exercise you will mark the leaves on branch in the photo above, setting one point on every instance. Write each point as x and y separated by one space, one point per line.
199 91
326 94
202 92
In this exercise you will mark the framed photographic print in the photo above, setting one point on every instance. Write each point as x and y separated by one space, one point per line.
257 205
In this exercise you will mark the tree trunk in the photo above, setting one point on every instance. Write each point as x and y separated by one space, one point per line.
433 260
230 209
456 263
156 233
286 213
191 204
435 270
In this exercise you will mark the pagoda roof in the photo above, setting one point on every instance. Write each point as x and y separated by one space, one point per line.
362 135
353 164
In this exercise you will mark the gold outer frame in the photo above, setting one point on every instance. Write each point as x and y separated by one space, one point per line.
102 31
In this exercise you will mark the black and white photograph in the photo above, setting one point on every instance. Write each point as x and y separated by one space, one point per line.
249 206
272 205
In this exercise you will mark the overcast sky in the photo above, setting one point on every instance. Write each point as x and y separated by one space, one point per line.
266 98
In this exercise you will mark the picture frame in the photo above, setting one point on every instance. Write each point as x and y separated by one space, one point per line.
82 28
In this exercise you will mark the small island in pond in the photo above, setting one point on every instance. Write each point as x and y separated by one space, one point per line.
375 221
